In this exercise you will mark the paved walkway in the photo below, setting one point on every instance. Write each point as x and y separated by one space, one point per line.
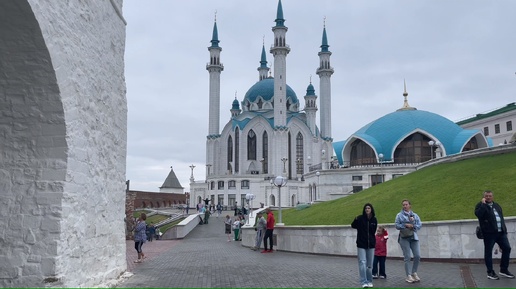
204 259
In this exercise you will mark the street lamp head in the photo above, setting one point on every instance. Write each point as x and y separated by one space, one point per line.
431 143
317 173
380 156
280 181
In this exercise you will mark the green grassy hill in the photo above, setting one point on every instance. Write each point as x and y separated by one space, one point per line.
441 192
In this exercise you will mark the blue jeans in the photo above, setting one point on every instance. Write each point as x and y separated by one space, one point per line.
501 239
365 265
407 245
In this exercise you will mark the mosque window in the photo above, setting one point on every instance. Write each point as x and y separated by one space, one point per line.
237 150
361 154
231 184
245 184
357 178
497 128
471 145
212 185
413 149
299 154
357 189
251 145
376 179
265 152
509 125
231 200
220 185
260 104
486 131
230 152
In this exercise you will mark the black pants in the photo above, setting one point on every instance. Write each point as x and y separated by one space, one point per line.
501 239
379 260
268 236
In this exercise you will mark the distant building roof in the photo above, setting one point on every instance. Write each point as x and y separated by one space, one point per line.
171 181
509 107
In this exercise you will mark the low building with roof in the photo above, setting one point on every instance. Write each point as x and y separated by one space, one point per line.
496 124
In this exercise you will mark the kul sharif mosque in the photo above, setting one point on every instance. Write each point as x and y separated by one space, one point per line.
271 138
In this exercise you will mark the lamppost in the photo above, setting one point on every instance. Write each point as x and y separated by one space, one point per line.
318 174
380 160
432 144
279 182
249 198
263 165
191 176
284 160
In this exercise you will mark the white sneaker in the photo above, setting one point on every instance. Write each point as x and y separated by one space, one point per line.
410 279
370 285
415 277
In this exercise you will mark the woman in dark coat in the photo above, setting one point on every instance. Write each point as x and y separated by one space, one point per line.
366 229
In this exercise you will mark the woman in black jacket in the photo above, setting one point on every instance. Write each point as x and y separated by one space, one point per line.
366 229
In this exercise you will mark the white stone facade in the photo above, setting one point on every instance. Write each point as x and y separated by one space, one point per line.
64 126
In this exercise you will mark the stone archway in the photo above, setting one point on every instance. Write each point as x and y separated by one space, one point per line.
63 122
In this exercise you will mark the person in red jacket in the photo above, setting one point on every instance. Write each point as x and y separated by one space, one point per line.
268 231
380 252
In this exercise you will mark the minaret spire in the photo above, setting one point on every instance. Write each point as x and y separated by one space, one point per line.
406 106
263 69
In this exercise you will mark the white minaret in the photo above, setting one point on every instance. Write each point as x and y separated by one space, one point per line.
214 67
280 50
325 71
311 107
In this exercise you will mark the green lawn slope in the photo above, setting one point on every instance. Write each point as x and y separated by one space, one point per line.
441 192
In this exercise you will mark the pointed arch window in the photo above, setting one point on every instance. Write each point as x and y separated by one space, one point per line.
237 149
361 154
299 154
265 152
229 153
413 149
251 145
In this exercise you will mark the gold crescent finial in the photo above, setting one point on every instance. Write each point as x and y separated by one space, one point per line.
324 22
263 40
215 15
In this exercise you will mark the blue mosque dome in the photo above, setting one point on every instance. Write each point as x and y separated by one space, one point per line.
390 137
264 90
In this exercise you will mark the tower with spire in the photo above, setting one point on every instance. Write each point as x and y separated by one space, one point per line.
263 69
279 50
214 68
325 72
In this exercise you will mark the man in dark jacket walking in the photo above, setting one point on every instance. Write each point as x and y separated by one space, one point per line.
366 229
493 228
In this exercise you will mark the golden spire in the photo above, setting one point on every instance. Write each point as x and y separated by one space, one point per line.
406 106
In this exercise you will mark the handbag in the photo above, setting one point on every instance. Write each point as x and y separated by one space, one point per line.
478 232
406 233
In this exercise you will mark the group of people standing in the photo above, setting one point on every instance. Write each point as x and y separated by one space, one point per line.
372 240
372 244
264 230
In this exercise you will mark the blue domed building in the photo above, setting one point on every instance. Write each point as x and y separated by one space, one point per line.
270 136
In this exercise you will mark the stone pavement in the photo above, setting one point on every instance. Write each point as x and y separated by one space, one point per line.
204 259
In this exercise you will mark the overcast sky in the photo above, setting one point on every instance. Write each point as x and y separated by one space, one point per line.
457 57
